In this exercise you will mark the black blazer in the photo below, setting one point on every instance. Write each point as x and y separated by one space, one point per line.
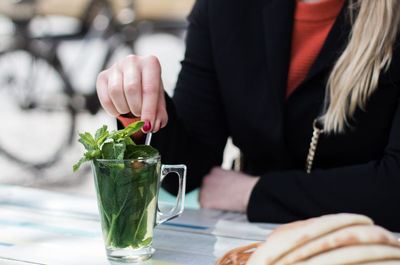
233 83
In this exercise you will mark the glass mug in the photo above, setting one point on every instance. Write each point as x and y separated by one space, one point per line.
127 192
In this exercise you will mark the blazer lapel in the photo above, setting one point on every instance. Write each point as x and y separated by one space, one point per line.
278 26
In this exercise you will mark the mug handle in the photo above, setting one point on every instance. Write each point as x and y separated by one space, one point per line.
177 210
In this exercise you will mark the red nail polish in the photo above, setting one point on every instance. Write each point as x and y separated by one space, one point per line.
147 126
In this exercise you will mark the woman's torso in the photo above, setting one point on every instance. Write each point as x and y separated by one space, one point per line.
251 45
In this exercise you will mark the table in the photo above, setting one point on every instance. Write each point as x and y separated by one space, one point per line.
43 227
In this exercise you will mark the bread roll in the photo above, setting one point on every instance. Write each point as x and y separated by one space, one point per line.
354 255
381 262
352 235
292 235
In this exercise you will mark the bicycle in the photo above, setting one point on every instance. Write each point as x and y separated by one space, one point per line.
36 88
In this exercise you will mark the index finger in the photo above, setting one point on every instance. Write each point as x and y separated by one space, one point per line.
151 82
102 93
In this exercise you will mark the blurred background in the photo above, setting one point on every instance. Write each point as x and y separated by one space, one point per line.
50 54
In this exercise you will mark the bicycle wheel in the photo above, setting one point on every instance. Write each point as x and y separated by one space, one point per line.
37 113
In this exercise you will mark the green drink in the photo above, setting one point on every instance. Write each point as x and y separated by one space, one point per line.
127 199
127 178
127 194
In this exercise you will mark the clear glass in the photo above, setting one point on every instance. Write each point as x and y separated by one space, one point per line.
127 192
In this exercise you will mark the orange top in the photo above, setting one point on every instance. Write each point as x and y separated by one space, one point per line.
312 23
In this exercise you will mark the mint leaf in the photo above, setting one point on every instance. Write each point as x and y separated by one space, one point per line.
115 145
132 128
79 163
128 141
140 151
112 150
91 146
101 135
93 154
115 135
121 135
87 140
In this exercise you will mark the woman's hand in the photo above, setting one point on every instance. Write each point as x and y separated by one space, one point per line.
226 190
134 85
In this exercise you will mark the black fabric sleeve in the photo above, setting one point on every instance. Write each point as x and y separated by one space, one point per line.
372 189
196 132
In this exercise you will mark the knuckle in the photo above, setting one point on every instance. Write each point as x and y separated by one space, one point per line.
102 74
102 77
132 86
129 89
132 58
151 59
114 90
150 89
148 113
106 102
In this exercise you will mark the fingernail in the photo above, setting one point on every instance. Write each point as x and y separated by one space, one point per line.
147 126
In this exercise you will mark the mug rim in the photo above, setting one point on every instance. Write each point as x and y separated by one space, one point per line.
157 157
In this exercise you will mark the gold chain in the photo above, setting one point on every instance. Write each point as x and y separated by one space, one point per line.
313 146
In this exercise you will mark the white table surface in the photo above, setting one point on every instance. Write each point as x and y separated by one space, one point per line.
42 227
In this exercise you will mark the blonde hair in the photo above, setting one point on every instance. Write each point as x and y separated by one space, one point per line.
355 75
